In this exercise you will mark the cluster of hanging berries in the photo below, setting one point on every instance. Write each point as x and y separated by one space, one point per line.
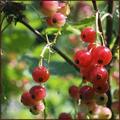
91 96
92 60
55 12
33 98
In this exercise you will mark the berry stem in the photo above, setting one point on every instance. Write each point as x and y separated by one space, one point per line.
38 34
47 46
45 113
55 39
99 21
48 42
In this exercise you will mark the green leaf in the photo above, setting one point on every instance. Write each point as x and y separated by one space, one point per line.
55 67
72 29
50 30
85 22
75 28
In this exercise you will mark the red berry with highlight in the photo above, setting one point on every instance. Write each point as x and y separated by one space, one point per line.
36 109
86 93
102 55
88 35
99 74
100 87
74 92
82 58
27 100
85 72
40 74
56 20
49 7
91 46
38 92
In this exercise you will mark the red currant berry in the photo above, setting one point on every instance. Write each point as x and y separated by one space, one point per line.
36 109
49 7
40 74
88 35
91 46
86 93
101 87
102 55
76 56
105 113
65 116
85 72
82 58
74 92
38 93
99 74
57 20
27 100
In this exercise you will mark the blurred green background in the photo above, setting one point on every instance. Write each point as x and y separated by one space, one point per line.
21 53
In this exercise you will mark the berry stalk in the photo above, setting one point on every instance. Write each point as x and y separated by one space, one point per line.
99 20
53 46
45 113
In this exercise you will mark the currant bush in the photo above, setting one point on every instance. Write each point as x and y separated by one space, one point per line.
91 59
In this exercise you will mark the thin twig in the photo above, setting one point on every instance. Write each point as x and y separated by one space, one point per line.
55 39
108 41
1 21
5 27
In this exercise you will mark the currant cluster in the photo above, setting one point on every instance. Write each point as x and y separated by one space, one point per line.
34 97
91 96
92 60
55 12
